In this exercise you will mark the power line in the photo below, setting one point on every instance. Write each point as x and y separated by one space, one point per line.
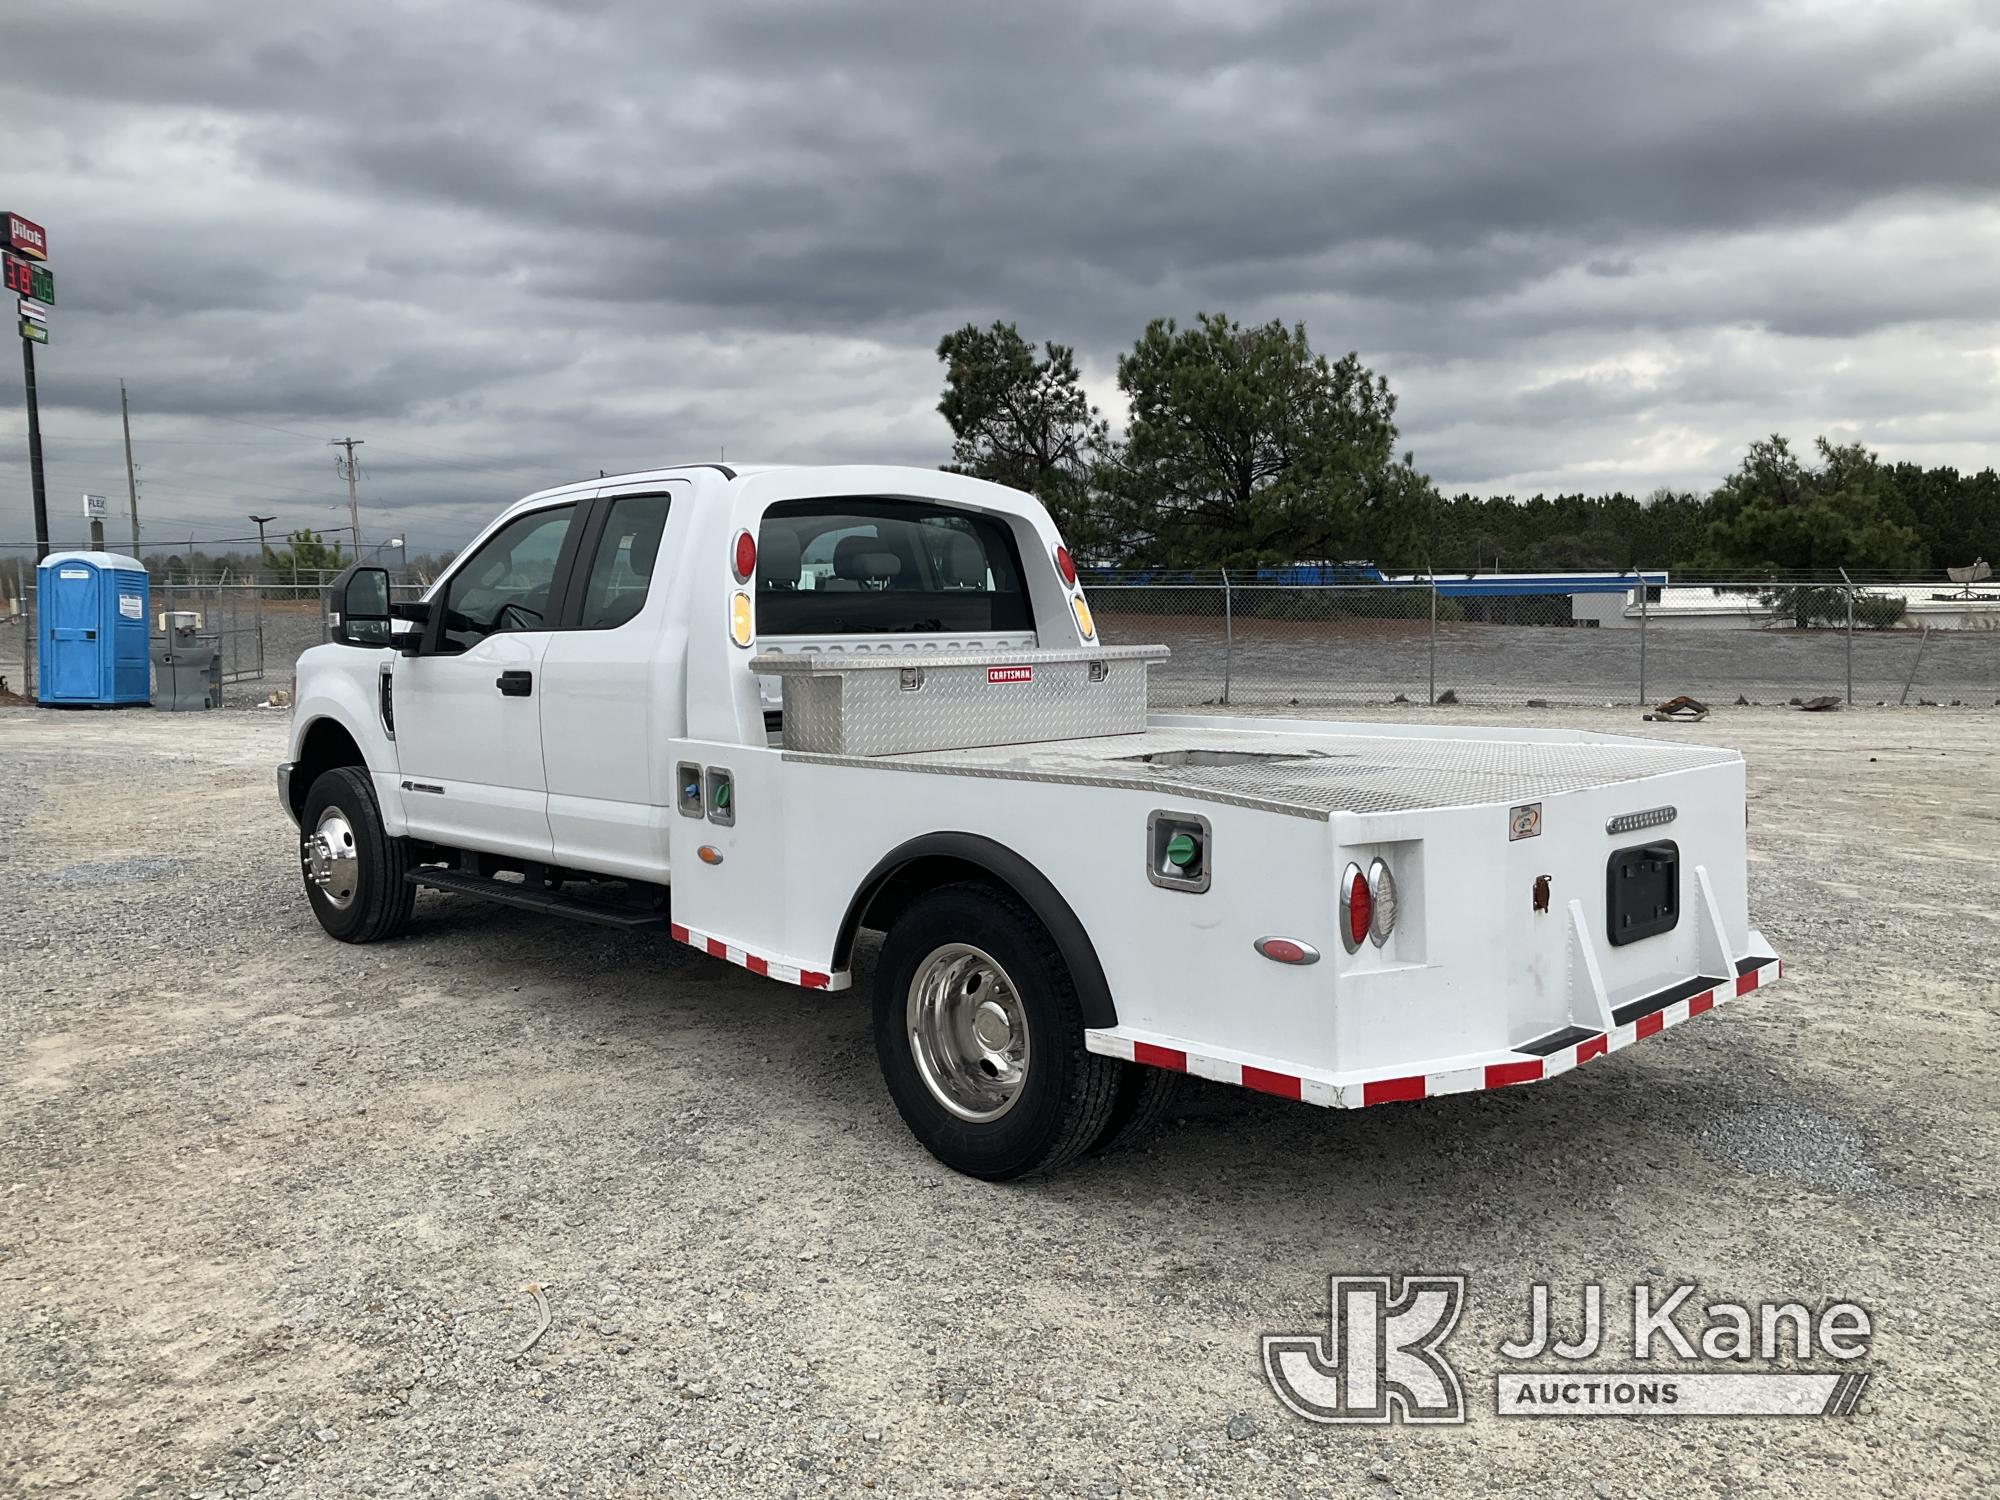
464 461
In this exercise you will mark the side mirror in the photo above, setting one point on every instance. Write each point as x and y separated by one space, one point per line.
357 608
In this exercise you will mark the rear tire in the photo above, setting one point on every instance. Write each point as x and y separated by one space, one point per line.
1145 1094
980 1037
353 871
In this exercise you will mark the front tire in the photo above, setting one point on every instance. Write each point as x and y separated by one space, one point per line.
980 1037
354 872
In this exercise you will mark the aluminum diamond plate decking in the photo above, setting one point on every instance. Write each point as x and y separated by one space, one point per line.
1314 775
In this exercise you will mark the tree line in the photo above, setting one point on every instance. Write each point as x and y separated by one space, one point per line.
1245 447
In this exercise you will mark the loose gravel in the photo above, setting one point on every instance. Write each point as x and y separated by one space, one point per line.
284 1217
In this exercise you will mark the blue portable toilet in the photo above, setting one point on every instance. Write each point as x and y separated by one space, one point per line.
92 630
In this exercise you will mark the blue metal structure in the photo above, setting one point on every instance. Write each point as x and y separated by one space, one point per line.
92 610
1514 585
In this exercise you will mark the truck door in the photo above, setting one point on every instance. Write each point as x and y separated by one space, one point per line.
468 705
612 690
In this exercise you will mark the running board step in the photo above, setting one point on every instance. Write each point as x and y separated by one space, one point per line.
539 898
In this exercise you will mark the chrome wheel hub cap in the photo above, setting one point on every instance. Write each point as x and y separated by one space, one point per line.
332 862
968 1034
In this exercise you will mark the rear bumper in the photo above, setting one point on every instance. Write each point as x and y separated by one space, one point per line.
1530 1063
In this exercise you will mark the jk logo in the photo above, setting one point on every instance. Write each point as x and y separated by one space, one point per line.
1379 1361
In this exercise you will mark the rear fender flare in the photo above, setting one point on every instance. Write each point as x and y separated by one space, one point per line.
970 856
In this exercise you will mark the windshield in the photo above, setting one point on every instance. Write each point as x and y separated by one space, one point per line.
886 567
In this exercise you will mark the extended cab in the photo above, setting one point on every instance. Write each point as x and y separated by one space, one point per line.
812 701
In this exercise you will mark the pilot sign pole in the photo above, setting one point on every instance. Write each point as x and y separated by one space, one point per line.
27 253
35 452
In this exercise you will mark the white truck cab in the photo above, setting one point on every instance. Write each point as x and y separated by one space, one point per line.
761 709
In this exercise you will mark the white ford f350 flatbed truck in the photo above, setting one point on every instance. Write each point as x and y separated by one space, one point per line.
813 701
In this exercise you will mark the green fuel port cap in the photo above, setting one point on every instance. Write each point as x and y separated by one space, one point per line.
721 796
1183 850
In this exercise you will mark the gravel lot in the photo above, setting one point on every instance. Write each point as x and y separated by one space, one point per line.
272 1204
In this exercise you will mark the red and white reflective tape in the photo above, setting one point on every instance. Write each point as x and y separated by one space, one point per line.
1496 1075
771 968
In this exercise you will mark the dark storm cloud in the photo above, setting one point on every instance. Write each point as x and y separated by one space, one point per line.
568 236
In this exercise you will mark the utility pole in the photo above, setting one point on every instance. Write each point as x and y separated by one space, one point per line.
131 474
346 466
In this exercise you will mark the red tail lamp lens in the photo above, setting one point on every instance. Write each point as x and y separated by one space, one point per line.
1357 908
746 556
1066 565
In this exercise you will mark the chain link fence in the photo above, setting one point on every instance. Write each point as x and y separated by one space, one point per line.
1247 640
1255 641
251 634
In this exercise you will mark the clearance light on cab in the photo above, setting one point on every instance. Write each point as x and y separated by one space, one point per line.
740 625
744 559
1084 625
1066 566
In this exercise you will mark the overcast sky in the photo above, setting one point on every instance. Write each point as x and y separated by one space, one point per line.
1593 245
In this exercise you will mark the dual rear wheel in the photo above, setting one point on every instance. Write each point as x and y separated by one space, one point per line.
980 1037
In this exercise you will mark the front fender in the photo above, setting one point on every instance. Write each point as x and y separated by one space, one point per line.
342 685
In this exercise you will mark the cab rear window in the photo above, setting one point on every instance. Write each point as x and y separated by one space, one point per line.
886 567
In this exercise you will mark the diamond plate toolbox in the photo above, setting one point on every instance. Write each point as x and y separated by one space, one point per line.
896 703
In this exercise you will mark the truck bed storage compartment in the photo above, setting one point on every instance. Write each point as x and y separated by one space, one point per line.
893 703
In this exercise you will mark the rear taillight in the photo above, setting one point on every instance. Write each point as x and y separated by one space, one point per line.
1367 905
1066 565
1357 908
1382 894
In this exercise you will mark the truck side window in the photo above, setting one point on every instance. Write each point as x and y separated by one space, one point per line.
623 567
505 584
